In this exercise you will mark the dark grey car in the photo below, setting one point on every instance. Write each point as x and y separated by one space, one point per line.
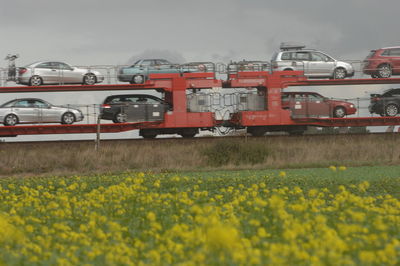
386 104
133 108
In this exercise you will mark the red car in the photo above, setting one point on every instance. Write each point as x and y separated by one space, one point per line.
383 63
312 104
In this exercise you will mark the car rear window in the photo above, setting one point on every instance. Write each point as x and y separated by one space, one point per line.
371 54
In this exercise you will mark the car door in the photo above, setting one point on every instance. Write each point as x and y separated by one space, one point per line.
301 61
47 72
136 108
320 65
68 74
163 66
395 60
317 106
146 67
26 111
47 113
298 105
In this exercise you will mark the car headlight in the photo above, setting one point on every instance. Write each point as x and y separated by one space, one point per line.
351 105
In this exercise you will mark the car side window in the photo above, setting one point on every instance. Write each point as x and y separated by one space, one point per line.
162 62
146 63
40 104
47 65
114 100
22 103
141 100
386 52
395 52
299 97
64 66
302 56
319 57
314 98
152 101
55 65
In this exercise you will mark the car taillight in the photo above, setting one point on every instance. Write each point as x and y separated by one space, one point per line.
22 71
106 106
274 65
375 99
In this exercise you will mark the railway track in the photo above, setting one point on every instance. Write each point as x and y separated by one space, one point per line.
197 139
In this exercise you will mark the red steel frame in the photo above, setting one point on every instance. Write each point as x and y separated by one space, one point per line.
276 116
175 85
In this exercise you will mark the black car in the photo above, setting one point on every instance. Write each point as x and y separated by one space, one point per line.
133 108
385 104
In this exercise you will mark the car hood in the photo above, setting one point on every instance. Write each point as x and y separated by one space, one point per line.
337 102
66 107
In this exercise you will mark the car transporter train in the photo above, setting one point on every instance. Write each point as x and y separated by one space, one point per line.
269 113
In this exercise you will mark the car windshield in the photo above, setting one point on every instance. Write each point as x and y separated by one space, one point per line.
8 104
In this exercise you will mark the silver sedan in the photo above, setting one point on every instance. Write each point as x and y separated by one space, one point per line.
40 73
32 110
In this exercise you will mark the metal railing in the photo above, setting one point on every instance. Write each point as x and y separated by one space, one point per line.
112 73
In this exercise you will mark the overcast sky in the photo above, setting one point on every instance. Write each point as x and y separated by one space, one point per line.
101 32
92 32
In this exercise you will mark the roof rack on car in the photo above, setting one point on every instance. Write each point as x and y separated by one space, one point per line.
285 46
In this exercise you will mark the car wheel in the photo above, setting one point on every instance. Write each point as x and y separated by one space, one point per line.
384 71
11 120
188 133
120 118
137 79
68 118
256 131
339 112
391 109
35 81
89 79
296 132
339 73
149 135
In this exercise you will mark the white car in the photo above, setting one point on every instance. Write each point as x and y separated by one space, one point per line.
46 72
32 110
315 64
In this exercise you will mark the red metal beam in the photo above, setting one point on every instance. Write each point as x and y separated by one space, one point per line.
54 88
322 82
349 122
73 129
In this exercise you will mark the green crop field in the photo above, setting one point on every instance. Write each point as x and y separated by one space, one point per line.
332 215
